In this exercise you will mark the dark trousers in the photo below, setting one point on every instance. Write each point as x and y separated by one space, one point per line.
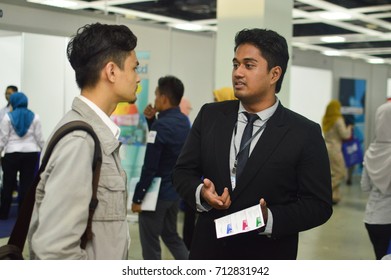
12 163
161 223
380 236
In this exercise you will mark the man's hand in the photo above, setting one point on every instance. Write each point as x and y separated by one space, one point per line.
136 208
208 193
149 112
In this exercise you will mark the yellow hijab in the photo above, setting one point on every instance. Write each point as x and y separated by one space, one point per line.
333 112
225 93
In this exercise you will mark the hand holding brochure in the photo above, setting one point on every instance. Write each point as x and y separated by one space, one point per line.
150 198
240 222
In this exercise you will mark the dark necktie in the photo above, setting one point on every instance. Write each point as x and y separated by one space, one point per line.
244 151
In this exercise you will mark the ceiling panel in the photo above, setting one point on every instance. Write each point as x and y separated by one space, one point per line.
366 33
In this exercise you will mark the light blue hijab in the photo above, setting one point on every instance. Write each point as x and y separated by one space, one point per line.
21 117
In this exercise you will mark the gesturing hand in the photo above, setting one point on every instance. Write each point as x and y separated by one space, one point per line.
209 194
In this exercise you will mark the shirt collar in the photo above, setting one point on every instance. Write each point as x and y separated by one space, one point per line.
102 115
264 114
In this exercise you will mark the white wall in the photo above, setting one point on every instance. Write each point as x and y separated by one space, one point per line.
10 70
192 60
310 91
47 78
187 55
43 77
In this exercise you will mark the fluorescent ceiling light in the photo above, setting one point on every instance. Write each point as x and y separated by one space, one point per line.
332 53
333 39
335 15
376 60
187 26
56 3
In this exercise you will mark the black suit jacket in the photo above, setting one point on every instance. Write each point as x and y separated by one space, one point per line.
289 168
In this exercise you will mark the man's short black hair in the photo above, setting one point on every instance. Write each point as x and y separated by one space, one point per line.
96 44
171 87
14 88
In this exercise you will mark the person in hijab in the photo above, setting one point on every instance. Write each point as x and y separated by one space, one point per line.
223 94
334 132
21 139
376 179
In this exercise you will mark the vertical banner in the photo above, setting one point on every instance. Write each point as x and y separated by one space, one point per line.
352 98
131 120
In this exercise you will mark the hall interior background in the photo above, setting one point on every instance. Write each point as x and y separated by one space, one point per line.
43 73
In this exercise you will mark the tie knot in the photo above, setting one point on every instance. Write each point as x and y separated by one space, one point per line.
251 118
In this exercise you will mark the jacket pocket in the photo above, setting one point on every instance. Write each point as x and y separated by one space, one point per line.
112 199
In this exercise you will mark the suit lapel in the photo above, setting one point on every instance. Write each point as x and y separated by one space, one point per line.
268 142
224 130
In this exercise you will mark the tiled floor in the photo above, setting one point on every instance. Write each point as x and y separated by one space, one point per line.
343 237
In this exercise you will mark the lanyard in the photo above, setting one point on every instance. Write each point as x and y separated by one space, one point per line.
245 145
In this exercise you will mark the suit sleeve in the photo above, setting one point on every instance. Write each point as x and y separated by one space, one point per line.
187 171
313 204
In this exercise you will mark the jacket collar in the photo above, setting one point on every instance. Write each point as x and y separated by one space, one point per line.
269 141
108 142
173 110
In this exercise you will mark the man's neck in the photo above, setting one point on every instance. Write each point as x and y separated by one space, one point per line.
259 106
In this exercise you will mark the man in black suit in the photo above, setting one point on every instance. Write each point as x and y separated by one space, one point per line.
287 172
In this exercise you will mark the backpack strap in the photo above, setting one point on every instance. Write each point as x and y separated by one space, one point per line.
20 230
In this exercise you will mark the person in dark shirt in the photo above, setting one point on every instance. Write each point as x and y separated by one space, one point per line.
166 137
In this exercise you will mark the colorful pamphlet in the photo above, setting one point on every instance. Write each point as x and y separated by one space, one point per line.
240 222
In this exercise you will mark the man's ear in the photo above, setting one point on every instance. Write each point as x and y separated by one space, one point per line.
110 71
164 99
276 74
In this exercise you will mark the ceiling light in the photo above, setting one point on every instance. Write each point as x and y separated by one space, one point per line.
332 53
335 15
56 3
376 60
371 26
187 26
333 39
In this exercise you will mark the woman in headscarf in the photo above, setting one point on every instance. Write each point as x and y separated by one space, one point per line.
335 131
376 179
21 139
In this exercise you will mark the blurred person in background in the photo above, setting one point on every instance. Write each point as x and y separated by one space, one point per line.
21 139
376 179
167 134
223 94
334 132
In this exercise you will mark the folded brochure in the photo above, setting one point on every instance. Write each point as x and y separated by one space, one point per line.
150 198
240 222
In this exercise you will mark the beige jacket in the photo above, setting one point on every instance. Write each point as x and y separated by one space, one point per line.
64 192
